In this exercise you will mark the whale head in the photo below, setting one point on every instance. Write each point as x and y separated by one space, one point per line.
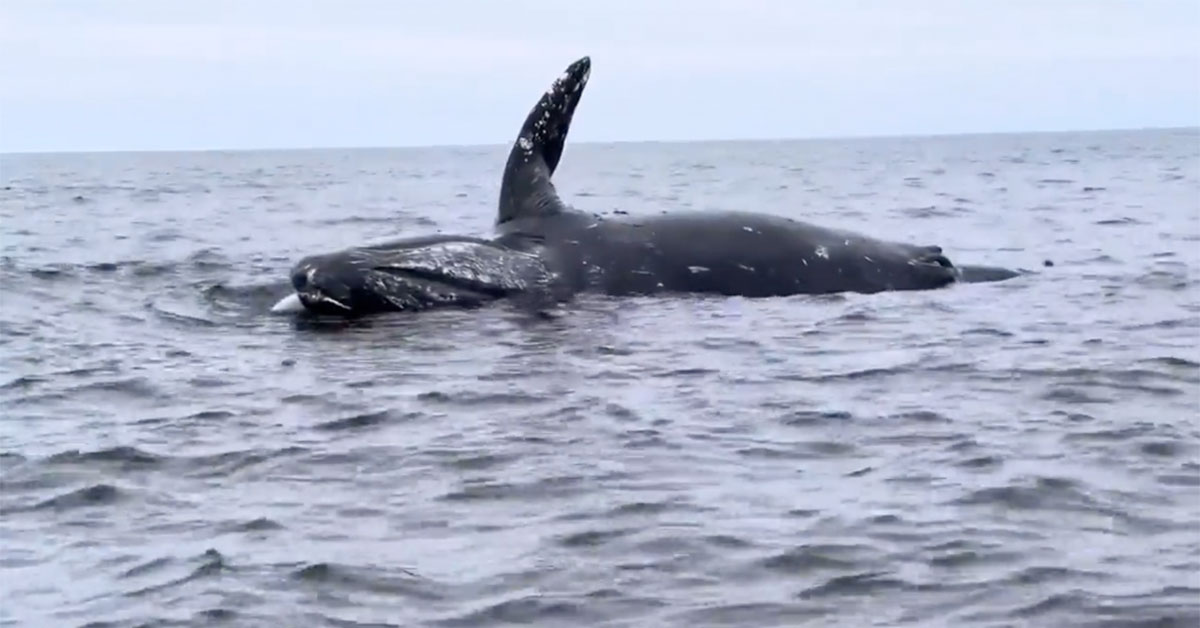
335 285
415 274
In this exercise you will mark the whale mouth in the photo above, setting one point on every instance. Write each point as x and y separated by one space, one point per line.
938 264
391 289
317 300
316 292
937 260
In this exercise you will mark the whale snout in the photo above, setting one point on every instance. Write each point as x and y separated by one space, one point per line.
579 72
323 288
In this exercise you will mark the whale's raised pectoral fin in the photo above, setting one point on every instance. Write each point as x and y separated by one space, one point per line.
526 189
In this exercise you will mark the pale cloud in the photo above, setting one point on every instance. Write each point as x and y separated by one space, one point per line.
148 74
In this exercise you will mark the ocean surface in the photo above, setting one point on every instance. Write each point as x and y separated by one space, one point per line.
1024 453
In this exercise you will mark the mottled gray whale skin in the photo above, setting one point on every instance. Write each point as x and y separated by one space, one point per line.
740 253
422 273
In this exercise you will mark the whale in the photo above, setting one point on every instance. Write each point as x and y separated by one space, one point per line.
421 273
729 252
544 252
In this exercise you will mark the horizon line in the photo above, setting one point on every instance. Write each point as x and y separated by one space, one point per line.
714 140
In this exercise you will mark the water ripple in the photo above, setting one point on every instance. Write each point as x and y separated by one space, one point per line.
1021 453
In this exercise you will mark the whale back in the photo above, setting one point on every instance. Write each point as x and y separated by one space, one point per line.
526 189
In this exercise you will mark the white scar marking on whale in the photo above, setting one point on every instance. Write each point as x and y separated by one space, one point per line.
821 252
699 269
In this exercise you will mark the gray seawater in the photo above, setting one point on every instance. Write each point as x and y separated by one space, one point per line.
1009 454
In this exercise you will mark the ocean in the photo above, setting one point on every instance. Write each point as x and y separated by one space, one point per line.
1022 453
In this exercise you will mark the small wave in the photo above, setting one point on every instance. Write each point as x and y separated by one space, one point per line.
259 524
1126 220
754 614
1066 394
867 583
620 412
251 299
960 554
866 373
368 419
129 387
647 439
52 272
211 564
804 418
633 509
123 457
209 259
981 462
211 415
471 398
1165 280
808 450
1042 575
94 495
1165 448
64 271
178 318
816 557
541 489
1122 434
231 462
931 211
152 269
525 610
1012 497
988 331
593 538
148 567
9 459
1060 495
1191 480
24 382
471 460
368 220
920 416
394 581
1169 606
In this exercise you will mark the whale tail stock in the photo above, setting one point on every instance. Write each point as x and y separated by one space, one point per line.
526 189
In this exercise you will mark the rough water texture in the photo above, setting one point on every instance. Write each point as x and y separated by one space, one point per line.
1018 453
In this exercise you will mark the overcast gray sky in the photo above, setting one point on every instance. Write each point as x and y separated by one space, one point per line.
156 74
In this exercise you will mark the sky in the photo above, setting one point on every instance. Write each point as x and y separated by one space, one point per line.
84 75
